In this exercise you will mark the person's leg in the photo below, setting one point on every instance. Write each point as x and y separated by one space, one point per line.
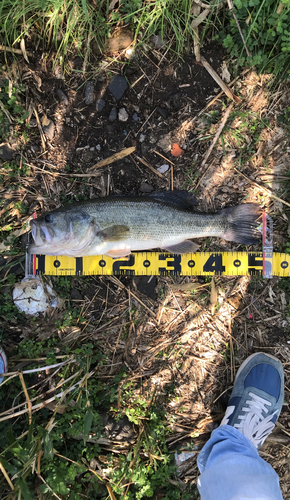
229 463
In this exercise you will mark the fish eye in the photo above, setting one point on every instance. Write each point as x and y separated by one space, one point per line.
48 218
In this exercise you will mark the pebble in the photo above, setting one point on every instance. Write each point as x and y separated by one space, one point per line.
113 114
98 147
123 115
6 153
118 86
163 168
142 138
100 104
33 123
89 93
146 188
135 117
158 42
49 130
62 97
165 142
58 72
163 112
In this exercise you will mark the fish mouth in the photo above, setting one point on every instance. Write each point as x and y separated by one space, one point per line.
40 234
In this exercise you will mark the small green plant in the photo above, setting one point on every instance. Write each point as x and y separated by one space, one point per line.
11 108
265 26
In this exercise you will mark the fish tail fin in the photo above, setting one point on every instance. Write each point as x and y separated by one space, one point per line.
243 224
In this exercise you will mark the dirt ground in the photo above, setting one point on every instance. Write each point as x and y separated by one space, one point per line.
176 338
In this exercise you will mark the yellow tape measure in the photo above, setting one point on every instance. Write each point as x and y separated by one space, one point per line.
166 264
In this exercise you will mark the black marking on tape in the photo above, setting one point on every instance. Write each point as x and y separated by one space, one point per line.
237 263
253 260
56 263
214 264
79 266
146 263
40 264
124 263
102 263
174 261
284 264
191 263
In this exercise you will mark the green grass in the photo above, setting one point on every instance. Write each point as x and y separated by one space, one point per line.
265 26
44 456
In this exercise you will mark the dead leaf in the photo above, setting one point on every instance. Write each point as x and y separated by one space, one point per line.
23 49
45 121
186 287
213 296
176 150
226 76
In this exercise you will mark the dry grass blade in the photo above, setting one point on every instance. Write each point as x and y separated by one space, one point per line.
218 133
231 7
110 491
219 81
263 187
27 397
6 476
42 136
115 157
14 51
147 164
213 296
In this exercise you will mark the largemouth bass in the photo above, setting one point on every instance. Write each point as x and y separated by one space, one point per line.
117 225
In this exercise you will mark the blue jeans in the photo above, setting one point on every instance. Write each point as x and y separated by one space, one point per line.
231 469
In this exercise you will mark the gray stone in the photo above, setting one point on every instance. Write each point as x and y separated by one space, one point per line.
100 104
135 117
62 97
146 188
6 153
118 86
123 115
89 93
49 130
113 114
163 112
163 168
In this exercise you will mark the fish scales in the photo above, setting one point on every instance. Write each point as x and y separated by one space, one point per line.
115 226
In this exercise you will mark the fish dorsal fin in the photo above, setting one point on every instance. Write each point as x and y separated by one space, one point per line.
114 233
181 199
185 246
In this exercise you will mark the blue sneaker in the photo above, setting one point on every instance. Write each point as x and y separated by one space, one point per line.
3 364
257 398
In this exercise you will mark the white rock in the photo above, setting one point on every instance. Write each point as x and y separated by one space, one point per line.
123 115
30 297
142 138
163 168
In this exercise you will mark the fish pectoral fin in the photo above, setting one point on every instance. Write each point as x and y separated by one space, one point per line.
183 247
118 253
114 233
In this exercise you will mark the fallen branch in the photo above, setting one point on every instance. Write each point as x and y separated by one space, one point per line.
14 51
147 164
115 157
218 133
219 81
263 187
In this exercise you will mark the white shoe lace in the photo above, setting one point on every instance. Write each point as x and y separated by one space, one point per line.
253 425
